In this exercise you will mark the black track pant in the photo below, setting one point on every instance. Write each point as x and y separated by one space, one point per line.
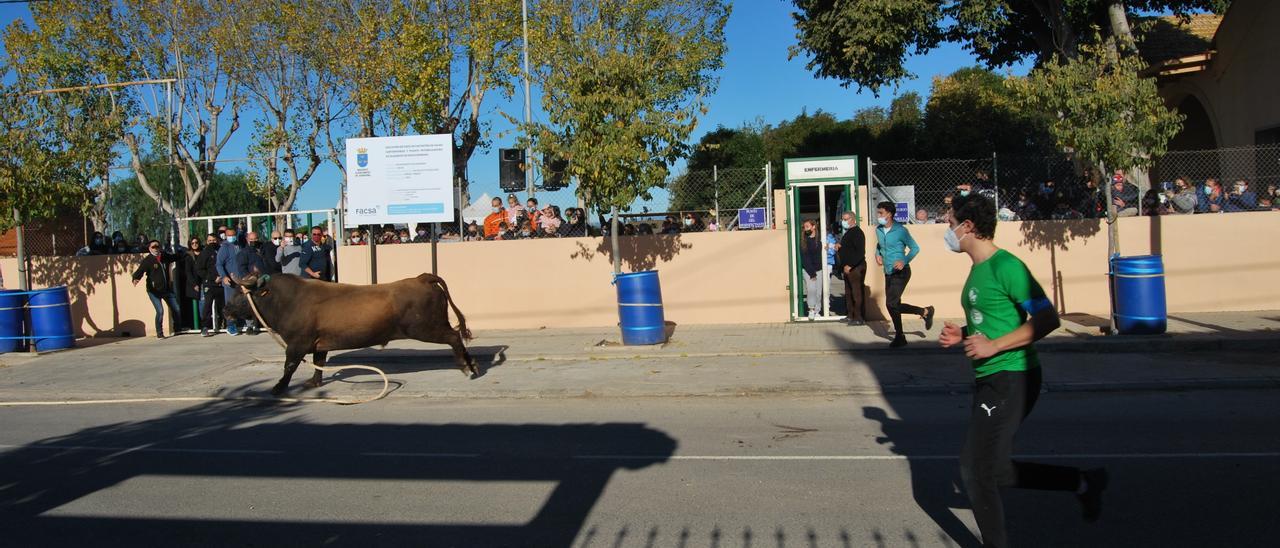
1000 403
212 294
894 285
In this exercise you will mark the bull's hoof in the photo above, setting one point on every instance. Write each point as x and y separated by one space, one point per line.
279 389
471 371
312 384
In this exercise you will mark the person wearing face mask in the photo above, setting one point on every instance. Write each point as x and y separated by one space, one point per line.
1006 312
192 284
895 248
1241 198
576 227
1183 197
289 254
155 266
404 236
422 236
1124 195
118 245
210 285
250 260
269 248
1213 199
356 238
225 266
315 261
496 218
472 233
692 223
99 245
811 263
851 259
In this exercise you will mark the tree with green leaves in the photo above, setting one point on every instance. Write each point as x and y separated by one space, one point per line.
133 212
971 113
623 82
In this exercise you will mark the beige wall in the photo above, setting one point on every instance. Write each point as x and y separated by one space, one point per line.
1213 263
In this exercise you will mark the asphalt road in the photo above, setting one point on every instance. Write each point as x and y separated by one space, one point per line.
1188 469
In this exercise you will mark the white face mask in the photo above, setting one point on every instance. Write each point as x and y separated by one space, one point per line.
404 239
288 241
355 239
951 240
275 241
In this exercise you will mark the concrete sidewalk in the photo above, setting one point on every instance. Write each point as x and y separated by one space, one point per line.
1220 350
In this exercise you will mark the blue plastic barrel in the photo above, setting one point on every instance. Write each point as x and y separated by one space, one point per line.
1139 294
51 319
640 308
11 312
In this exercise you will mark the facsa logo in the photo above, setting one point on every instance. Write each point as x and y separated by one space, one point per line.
366 211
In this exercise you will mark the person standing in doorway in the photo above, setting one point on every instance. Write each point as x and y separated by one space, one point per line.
1006 313
811 264
851 259
155 266
895 248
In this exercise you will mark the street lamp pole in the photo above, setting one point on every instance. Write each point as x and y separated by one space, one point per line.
528 150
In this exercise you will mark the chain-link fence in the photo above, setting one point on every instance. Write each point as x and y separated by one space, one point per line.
717 196
1061 187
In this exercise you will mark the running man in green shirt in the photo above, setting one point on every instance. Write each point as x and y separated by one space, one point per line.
1006 311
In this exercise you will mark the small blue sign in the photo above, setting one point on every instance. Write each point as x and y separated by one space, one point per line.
752 217
903 213
415 209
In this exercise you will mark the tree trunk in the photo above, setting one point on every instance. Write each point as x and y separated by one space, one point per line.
613 239
1118 18
1113 227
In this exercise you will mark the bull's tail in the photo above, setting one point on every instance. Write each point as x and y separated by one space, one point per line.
462 320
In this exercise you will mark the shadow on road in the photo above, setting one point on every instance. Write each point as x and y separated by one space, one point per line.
230 440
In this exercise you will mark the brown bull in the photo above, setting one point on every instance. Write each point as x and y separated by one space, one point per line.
315 317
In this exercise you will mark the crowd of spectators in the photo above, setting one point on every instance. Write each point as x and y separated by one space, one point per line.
1088 199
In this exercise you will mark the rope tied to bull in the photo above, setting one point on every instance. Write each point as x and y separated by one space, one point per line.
386 383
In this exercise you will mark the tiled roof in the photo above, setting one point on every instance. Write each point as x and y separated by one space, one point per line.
1169 37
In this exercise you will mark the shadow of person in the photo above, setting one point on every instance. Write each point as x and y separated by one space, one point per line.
638 253
259 447
935 479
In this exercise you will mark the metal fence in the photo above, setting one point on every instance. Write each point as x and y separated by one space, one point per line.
1258 167
719 195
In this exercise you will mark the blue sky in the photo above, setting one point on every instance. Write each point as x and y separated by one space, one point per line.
758 82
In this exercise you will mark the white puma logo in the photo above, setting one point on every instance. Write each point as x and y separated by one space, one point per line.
987 409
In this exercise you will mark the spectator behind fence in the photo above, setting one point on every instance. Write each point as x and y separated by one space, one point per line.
473 233
141 244
922 217
1182 197
404 236
192 284
1272 193
225 265
851 255
514 209
1124 195
1026 209
712 224
1152 204
99 245
210 285
118 244
1241 198
356 238
526 229
497 217
645 229
548 232
533 212
1213 198
982 181
422 235
576 227
693 223
671 225
315 260
250 261
1062 210
269 248
289 254
1091 201
811 263
155 266
549 218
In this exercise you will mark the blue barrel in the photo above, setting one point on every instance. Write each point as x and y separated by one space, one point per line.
11 312
640 308
51 319
1139 295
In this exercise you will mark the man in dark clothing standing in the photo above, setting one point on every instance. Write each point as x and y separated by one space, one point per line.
250 261
315 257
211 285
225 264
851 259
155 266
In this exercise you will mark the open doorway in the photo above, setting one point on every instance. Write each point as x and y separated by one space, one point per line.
819 190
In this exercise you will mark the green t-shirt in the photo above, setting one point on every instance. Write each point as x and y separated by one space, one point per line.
997 297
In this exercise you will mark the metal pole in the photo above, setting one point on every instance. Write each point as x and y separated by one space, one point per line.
528 150
715 182
768 196
434 264
22 252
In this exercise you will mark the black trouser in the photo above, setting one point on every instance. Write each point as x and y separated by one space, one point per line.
894 285
855 300
208 320
1000 402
